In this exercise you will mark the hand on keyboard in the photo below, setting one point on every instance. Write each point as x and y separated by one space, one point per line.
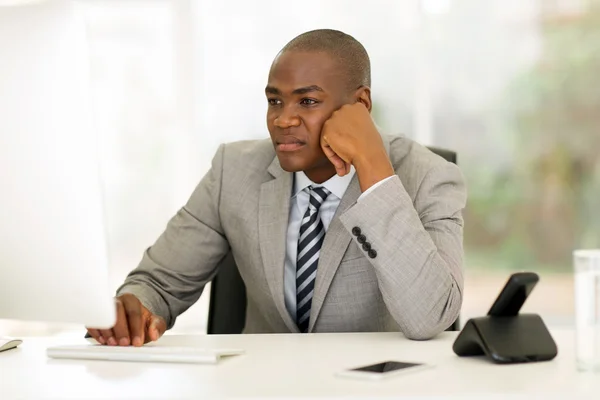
135 325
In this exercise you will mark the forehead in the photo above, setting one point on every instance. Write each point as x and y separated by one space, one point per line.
292 70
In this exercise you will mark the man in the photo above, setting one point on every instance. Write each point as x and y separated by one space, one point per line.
391 258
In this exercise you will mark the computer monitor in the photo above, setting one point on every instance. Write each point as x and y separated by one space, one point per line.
53 246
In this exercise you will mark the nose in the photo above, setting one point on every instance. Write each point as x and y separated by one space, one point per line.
287 119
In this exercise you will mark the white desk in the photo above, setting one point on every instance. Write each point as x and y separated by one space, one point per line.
298 366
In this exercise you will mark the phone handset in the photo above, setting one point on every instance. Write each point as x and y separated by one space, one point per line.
513 295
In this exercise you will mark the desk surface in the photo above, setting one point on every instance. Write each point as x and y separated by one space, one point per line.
298 366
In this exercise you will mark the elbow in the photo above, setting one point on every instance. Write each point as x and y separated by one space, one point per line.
430 327
424 333
419 336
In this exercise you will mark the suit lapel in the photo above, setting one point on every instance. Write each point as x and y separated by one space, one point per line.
273 215
335 245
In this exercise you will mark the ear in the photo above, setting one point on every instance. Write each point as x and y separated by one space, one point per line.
363 95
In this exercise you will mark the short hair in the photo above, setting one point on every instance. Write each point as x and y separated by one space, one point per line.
347 51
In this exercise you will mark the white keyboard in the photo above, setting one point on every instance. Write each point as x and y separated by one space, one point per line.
166 354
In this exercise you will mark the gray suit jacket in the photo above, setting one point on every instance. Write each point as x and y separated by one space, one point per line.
413 222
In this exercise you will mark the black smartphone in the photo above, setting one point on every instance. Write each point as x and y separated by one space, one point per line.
513 295
383 370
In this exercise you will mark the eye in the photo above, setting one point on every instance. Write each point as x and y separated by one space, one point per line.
308 102
274 102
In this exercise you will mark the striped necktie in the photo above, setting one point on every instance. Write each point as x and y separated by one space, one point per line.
312 234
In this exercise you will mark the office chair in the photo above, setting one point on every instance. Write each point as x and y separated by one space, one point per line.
227 308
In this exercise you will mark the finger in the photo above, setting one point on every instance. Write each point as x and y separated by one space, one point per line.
133 310
338 163
156 328
108 336
341 169
121 328
329 153
95 334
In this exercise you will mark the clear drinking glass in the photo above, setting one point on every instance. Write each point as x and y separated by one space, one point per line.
587 309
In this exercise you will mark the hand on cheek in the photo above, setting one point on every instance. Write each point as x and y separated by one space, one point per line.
350 137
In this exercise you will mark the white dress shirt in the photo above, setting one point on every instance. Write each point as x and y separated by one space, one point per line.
337 185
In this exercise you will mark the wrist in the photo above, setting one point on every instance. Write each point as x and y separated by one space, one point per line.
372 169
377 160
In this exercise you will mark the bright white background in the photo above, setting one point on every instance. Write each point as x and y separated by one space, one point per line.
173 79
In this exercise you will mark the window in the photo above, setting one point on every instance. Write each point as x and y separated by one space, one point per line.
508 84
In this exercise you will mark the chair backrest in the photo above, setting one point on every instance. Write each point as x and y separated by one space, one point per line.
227 308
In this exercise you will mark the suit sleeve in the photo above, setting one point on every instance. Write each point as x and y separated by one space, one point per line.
174 270
416 248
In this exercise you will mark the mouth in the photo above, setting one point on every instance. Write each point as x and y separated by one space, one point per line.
289 144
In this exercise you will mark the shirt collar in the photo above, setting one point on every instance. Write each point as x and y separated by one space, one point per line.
336 184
